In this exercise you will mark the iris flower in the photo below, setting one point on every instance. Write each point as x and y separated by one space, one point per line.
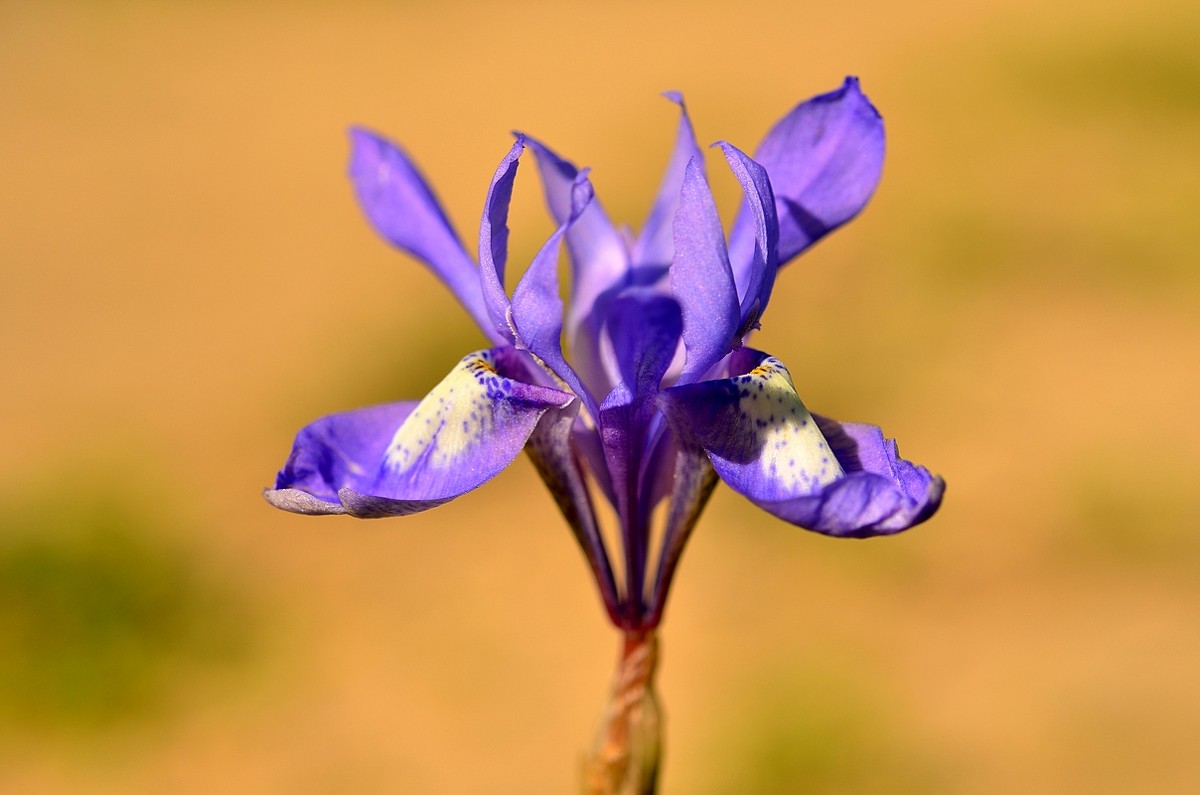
639 390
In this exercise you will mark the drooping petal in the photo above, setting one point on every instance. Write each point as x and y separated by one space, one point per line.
401 207
336 452
656 243
757 432
880 494
397 460
825 158
537 308
759 205
701 280
840 480
493 240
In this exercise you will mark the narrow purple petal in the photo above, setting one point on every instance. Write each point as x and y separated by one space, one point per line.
760 205
656 243
493 240
825 158
599 264
837 479
701 280
399 459
536 305
399 204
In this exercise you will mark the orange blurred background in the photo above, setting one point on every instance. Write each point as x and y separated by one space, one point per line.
187 281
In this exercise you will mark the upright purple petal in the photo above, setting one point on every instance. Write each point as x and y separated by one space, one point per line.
656 242
401 207
760 205
599 265
536 305
837 479
701 280
825 158
493 240
396 460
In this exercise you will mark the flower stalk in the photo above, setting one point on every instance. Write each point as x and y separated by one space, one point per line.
625 755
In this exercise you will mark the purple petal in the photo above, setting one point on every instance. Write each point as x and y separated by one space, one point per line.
656 244
701 280
824 158
757 432
841 480
493 240
336 452
399 459
644 328
880 494
760 205
536 306
400 206
599 264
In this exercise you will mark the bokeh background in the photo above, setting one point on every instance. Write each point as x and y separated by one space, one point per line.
186 281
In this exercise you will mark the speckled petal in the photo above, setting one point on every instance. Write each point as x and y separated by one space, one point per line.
840 479
757 433
880 493
377 462
401 207
656 243
824 158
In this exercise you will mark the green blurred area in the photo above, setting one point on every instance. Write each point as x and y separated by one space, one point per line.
186 281
101 613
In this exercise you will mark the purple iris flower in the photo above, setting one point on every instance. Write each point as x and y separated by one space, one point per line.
639 391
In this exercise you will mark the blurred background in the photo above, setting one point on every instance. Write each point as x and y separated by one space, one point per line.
186 281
